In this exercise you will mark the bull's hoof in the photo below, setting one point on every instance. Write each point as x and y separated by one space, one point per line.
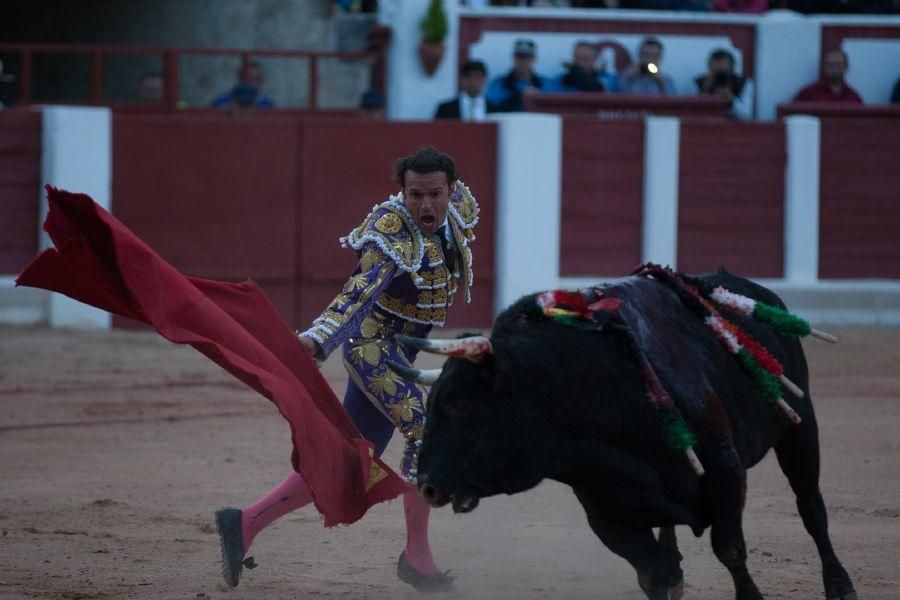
676 591
851 595
231 544
441 582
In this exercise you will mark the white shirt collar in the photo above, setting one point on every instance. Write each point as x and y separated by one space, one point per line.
472 109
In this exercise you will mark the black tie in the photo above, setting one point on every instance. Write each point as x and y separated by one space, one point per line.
447 248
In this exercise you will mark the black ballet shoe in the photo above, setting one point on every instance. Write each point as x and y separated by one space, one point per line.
441 582
231 543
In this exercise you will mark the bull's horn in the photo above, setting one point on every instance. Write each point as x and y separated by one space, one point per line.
473 348
425 377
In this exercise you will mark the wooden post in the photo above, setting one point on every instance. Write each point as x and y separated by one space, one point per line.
25 78
173 85
96 77
314 82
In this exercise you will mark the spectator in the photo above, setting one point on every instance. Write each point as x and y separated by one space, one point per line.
831 87
246 94
151 88
506 92
721 80
895 97
741 6
646 76
842 6
470 105
692 5
371 105
582 74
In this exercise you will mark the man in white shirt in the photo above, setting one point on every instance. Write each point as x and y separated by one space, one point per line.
470 105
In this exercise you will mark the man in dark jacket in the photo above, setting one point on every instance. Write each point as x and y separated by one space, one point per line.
470 105
581 74
507 91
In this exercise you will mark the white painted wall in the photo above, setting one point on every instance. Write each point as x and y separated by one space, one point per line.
412 94
76 156
801 208
529 197
787 58
659 234
874 68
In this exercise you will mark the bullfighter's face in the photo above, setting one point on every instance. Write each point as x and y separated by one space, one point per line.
427 197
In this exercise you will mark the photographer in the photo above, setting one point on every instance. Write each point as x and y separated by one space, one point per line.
646 77
721 80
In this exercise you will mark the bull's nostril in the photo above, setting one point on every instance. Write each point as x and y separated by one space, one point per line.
429 492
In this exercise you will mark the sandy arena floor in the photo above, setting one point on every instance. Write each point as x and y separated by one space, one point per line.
115 448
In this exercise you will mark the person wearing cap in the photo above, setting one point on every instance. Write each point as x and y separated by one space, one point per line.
470 105
507 91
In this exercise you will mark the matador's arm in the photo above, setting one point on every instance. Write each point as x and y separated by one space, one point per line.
374 272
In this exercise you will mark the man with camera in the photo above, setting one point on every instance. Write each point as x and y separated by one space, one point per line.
646 77
722 81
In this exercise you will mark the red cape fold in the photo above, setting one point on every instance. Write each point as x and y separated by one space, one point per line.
98 261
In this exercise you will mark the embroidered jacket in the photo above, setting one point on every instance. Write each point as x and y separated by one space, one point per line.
400 271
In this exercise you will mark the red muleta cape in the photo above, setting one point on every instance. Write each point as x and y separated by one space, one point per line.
98 261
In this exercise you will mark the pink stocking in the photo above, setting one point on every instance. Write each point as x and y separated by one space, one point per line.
417 550
288 496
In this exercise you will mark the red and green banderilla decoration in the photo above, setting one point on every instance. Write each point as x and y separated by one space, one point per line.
778 319
571 308
764 369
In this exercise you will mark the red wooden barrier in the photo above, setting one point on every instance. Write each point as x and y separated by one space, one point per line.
267 198
854 111
213 195
859 231
624 106
602 196
20 173
731 198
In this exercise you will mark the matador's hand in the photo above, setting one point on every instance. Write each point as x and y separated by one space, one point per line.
312 347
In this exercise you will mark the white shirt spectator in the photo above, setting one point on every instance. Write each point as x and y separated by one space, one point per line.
472 109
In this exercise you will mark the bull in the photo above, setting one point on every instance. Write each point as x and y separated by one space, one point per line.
541 400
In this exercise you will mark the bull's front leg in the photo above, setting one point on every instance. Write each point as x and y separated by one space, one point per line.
669 544
635 544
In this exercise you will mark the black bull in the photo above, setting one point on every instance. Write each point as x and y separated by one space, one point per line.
554 401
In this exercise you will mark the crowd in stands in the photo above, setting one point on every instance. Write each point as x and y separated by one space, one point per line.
587 73
739 6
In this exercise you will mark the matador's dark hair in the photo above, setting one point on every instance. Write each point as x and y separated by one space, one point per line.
427 159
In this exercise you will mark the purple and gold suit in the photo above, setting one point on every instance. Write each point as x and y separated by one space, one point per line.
404 282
